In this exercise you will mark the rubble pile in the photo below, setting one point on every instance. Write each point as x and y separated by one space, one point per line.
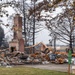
8 58
39 57
17 58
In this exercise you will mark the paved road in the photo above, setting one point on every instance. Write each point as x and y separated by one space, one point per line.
56 67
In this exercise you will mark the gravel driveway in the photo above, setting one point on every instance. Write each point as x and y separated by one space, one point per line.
56 67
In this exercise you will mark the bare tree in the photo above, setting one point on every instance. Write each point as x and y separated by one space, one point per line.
32 26
63 26
28 13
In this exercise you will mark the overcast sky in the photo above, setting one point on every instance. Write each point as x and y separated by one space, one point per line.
43 36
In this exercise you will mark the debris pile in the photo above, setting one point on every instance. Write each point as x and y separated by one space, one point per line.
8 58
44 56
39 57
17 58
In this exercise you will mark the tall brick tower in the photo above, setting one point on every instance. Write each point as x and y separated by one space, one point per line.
17 42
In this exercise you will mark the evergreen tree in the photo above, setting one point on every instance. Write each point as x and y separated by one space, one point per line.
1 35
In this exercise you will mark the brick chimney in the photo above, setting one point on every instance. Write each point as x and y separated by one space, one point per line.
17 42
17 27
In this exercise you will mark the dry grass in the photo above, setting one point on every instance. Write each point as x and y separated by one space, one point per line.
28 71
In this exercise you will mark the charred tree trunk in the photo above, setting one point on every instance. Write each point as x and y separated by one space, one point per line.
70 45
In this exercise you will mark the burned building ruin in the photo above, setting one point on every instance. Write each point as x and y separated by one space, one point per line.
17 43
